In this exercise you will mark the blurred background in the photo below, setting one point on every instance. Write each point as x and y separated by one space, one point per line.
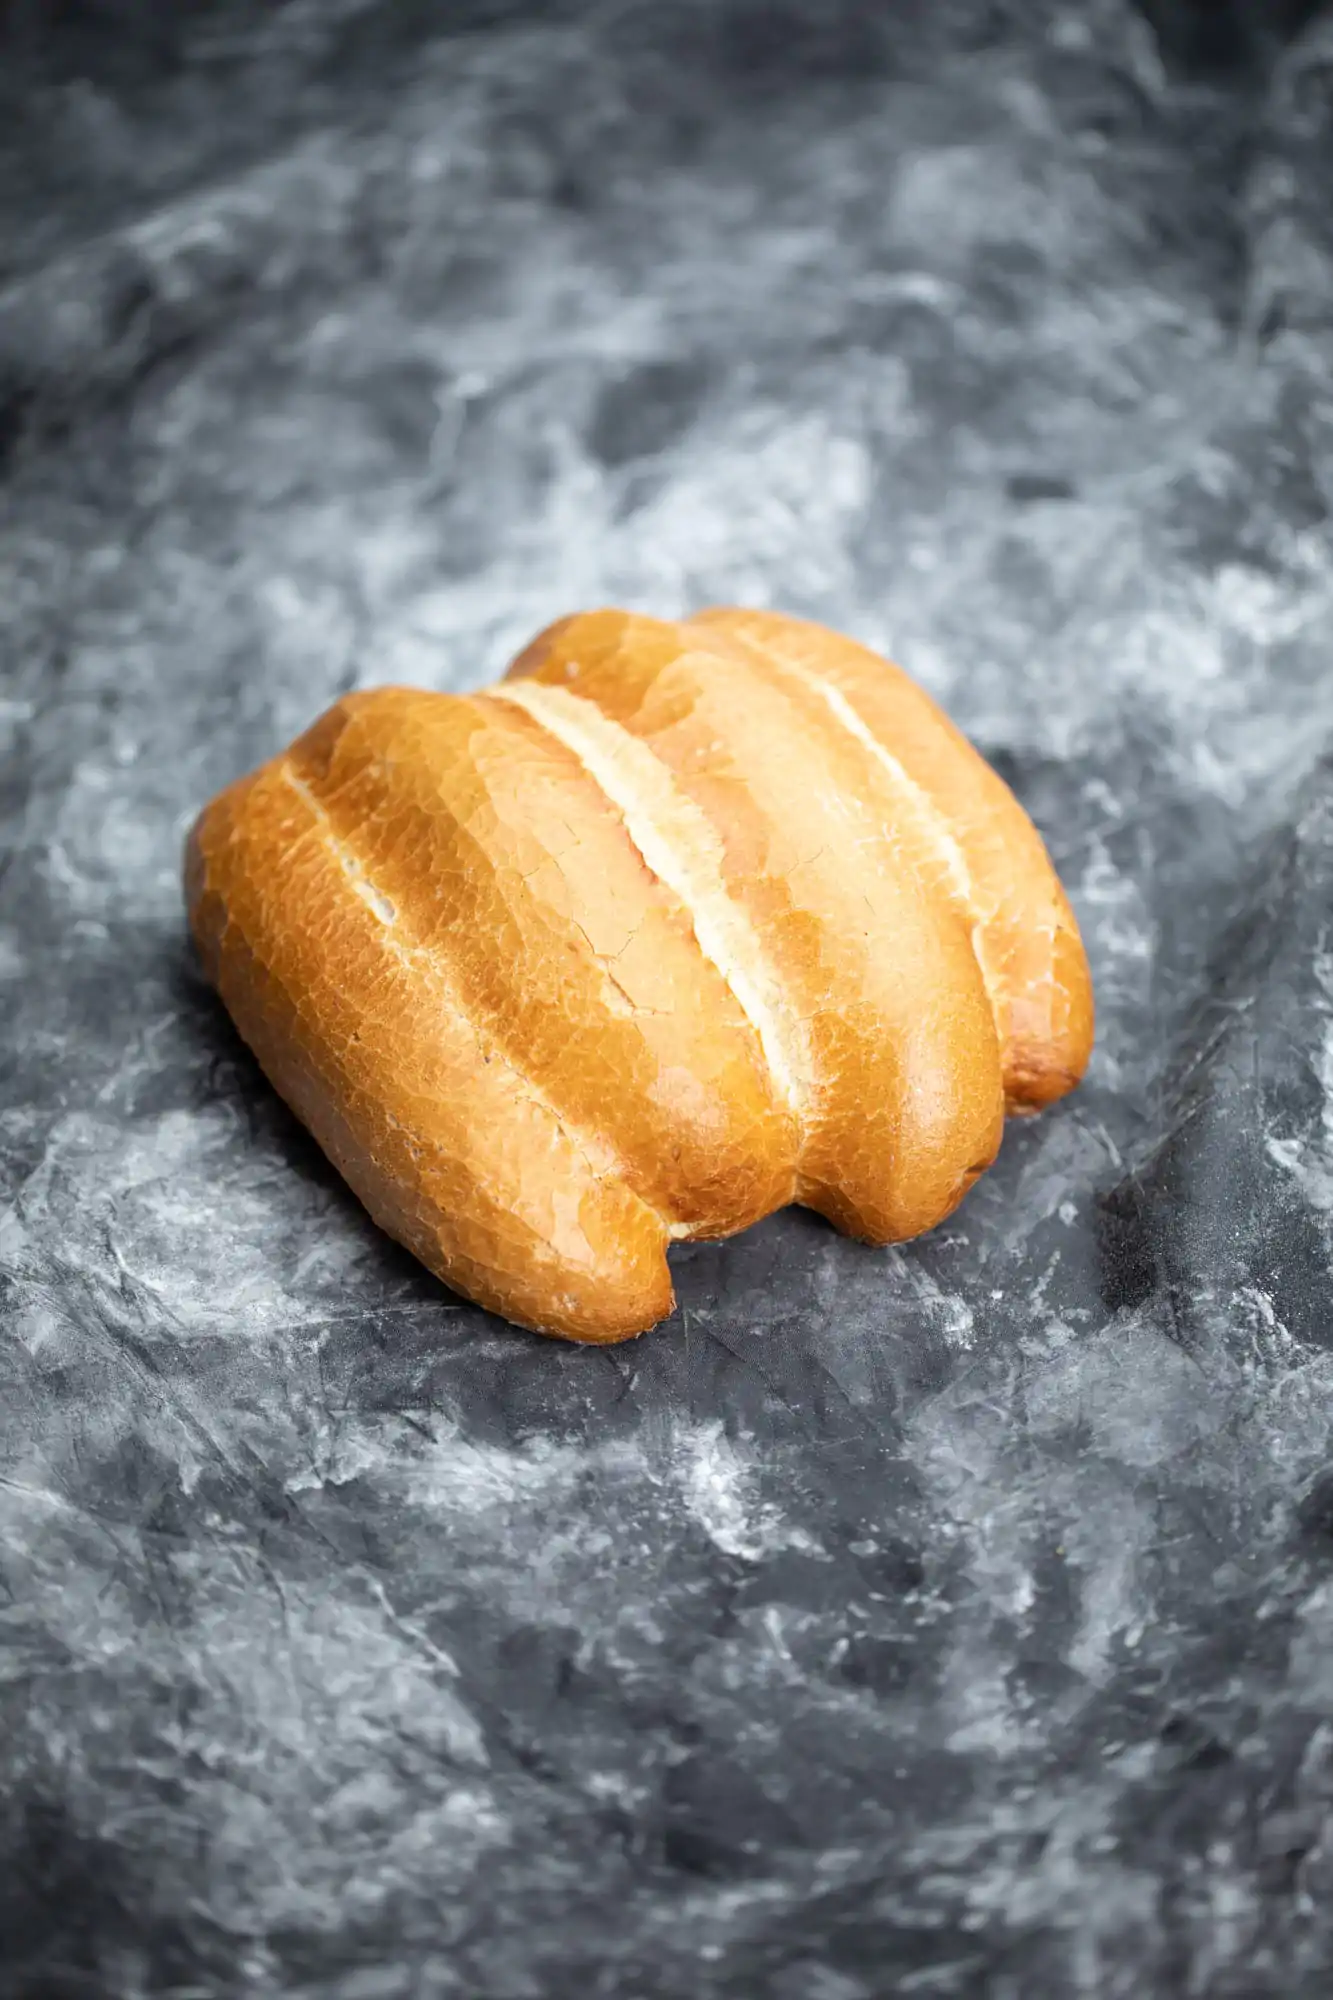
955 1619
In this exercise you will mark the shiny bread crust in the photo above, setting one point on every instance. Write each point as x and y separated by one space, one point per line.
678 923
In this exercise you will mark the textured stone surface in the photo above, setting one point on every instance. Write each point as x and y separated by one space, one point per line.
953 1620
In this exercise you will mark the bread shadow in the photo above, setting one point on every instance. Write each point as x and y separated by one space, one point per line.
786 1330
230 1074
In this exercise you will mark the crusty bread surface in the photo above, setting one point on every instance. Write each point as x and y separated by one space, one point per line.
676 924
988 855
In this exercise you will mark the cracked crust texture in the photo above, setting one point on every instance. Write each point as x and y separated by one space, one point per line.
679 923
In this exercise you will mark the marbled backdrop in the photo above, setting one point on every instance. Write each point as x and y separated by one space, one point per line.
950 1620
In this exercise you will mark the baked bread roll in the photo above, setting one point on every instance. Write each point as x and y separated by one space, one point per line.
677 924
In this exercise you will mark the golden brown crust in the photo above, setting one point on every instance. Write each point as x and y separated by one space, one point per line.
903 1103
494 845
1028 941
678 923
447 1145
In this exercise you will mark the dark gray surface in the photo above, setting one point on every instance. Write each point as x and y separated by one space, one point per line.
955 1620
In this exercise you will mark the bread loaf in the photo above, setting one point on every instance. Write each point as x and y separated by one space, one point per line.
675 925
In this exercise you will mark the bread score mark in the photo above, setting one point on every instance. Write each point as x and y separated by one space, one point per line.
602 1159
678 844
930 821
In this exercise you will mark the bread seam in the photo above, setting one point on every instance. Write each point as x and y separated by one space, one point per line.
602 1159
615 760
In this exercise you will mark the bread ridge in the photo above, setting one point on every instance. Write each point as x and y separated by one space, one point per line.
415 953
1027 937
679 846
446 1148
531 895
907 1109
